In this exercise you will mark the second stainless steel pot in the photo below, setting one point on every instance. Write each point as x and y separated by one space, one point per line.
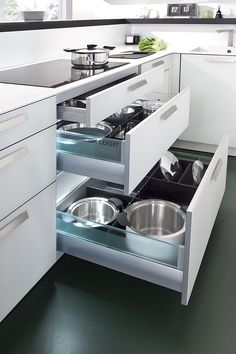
159 219
90 57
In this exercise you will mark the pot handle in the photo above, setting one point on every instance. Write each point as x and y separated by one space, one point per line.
117 202
69 50
97 62
91 46
122 219
108 47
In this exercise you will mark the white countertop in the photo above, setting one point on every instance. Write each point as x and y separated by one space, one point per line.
15 96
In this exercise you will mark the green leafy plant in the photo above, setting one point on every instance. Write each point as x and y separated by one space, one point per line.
151 44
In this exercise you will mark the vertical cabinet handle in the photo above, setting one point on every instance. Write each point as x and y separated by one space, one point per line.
12 122
217 169
169 112
12 225
137 85
158 63
13 157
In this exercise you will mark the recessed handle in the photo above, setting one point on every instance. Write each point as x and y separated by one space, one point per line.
221 60
137 85
217 169
12 122
12 225
158 63
13 157
169 112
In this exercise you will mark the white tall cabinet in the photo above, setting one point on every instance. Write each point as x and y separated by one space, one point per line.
212 83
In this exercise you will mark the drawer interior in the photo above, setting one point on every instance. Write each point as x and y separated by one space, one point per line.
116 236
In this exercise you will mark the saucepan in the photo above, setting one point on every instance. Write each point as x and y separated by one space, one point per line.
90 57
159 219
96 210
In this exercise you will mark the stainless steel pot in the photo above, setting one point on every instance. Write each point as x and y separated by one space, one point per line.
88 133
90 57
96 210
159 219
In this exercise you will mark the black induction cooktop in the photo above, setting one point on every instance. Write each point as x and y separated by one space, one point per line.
50 74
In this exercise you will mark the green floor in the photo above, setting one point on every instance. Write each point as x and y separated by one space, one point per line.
81 308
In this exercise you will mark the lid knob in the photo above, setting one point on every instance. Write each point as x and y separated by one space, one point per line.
91 46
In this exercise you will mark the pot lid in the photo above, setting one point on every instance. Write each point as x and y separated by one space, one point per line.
91 48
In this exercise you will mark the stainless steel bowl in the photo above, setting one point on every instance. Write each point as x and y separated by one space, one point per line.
159 219
95 209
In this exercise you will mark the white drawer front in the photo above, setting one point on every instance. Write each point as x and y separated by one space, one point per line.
23 122
201 215
141 150
152 64
106 102
178 265
27 248
151 138
26 168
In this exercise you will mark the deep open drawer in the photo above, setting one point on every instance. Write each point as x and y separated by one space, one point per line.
112 99
172 266
126 162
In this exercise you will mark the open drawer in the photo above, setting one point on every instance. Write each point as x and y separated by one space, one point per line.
166 264
126 162
111 98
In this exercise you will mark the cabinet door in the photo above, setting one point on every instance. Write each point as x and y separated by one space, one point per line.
27 248
213 92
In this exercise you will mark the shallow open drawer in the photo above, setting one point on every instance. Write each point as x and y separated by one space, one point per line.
126 162
172 266
112 99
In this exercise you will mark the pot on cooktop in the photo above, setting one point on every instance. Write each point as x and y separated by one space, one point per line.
90 57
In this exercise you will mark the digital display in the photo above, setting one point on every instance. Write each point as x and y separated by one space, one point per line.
182 10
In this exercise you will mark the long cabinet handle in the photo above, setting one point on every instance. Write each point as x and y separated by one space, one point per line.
158 63
221 60
169 112
12 225
12 122
14 156
217 169
137 85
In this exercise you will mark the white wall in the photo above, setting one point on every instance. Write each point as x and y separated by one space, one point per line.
185 36
30 46
85 9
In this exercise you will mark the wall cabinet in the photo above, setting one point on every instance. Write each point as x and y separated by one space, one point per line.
213 92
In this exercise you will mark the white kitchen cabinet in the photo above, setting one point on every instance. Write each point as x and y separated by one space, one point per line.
28 193
171 72
213 92
108 100
27 247
25 121
26 168
162 263
118 161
